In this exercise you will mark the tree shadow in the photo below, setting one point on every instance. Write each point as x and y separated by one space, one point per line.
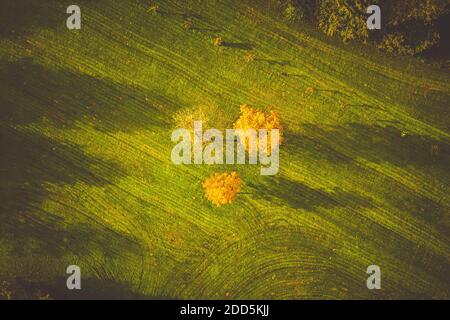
387 144
238 45
379 144
282 191
272 62
293 75
204 29
91 289
311 147
32 164
30 93
432 107
184 15
364 106
426 210
21 17
332 91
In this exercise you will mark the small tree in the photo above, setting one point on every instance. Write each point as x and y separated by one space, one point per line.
218 41
252 118
221 188
290 12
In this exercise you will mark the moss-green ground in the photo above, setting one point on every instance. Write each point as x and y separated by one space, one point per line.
87 179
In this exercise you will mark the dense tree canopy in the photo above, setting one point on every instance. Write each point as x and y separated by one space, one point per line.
408 26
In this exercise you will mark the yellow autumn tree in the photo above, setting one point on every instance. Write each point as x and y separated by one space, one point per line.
221 188
252 118
218 41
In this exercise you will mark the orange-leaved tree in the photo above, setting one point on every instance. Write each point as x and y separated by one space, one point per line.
252 118
221 188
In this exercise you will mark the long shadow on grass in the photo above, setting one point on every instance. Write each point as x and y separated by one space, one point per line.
312 148
390 145
204 29
31 93
32 164
238 45
281 191
273 62
21 17
91 289
385 144
29 165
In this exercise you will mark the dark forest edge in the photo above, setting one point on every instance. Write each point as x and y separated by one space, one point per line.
413 27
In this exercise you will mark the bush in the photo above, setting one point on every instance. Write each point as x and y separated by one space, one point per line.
290 12
395 43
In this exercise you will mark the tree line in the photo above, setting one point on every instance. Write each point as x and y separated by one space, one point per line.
409 27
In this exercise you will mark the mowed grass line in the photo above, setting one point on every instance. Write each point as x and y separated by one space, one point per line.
308 233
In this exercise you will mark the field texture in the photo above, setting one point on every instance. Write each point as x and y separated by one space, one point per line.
86 176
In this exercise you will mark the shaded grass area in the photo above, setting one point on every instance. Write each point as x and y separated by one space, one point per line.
387 144
87 179
286 192
21 17
93 289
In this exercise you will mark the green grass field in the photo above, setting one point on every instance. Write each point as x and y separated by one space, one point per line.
87 178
